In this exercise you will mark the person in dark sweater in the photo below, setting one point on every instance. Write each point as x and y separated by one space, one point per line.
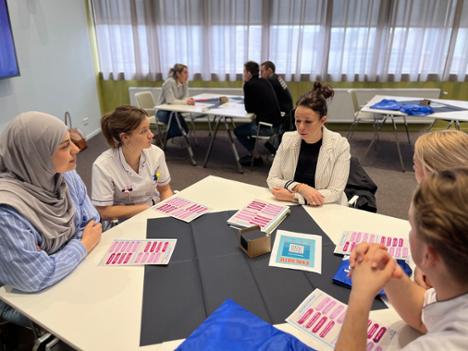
267 71
259 98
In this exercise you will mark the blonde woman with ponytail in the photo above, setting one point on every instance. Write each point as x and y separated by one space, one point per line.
175 91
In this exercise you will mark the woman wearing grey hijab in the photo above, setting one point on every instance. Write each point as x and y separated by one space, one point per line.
47 222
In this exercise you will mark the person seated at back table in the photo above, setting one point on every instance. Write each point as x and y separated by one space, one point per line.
175 91
438 217
434 152
259 98
267 71
47 222
132 175
312 163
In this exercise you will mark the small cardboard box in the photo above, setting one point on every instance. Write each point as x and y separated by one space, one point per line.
254 242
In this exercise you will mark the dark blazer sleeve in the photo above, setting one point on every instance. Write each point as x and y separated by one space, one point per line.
249 98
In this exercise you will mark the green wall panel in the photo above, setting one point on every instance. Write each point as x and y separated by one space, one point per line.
115 92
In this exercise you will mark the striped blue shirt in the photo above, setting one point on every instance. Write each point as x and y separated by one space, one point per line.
25 267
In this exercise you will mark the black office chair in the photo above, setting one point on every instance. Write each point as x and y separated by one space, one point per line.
360 188
266 131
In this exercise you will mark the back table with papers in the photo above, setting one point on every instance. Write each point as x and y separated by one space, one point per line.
99 308
457 112
227 113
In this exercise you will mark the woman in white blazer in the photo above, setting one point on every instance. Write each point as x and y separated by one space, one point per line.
311 165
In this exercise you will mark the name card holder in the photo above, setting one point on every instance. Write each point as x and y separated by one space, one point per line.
254 242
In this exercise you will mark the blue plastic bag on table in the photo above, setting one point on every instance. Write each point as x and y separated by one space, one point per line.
232 328
409 109
387 104
416 110
341 277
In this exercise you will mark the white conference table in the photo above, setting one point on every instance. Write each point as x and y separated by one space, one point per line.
228 113
99 308
454 117
198 108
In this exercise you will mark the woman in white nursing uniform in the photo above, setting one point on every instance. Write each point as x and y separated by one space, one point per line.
132 175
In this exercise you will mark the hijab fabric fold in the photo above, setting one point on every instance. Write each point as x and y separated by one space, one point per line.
28 181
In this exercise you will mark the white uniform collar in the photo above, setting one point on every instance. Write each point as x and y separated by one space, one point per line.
437 314
123 161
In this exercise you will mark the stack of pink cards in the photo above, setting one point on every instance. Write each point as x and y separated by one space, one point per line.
321 316
182 209
258 212
139 252
398 247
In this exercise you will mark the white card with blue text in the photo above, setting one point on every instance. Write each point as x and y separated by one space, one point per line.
297 251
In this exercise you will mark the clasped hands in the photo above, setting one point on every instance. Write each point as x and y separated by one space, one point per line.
310 194
371 268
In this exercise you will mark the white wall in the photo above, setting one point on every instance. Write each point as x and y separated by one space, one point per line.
55 61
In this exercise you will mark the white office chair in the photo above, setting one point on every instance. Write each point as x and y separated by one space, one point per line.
376 119
146 102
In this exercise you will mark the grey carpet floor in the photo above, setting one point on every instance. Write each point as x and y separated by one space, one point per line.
381 163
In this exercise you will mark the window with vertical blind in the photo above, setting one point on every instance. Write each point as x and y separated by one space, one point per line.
339 40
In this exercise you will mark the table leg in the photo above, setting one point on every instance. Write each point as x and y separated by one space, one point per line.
233 144
431 126
350 130
233 125
457 124
216 120
171 115
407 132
397 142
193 131
189 146
209 125
377 126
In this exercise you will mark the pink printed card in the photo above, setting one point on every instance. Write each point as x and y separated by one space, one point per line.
182 209
139 252
258 212
398 247
321 316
